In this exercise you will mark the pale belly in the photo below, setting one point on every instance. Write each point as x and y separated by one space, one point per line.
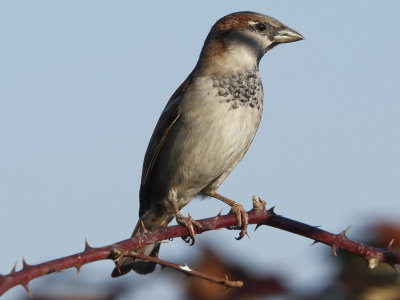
208 146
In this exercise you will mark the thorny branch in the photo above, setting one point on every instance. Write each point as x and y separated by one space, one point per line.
258 215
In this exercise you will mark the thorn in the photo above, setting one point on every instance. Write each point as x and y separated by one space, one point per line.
26 287
334 248
340 236
314 242
271 211
25 265
78 269
258 225
87 246
343 233
389 247
219 214
13 270
227 288
372 263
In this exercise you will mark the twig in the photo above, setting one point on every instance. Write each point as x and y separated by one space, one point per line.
183 269
258 215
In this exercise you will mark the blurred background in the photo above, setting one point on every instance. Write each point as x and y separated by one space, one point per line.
82 84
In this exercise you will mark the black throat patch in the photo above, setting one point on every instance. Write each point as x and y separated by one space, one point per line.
241 89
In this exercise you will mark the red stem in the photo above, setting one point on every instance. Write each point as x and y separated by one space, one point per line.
256 216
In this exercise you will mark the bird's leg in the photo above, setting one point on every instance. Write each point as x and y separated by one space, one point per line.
237 209
188 222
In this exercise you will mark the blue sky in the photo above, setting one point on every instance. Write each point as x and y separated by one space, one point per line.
82 84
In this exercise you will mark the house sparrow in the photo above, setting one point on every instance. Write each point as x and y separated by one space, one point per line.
206 127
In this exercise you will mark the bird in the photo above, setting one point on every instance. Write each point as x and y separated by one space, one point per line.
206 128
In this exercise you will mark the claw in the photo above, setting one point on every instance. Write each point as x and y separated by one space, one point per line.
236 208
242 219
187 239
189 223
242 234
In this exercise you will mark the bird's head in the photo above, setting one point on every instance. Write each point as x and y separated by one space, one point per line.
239 40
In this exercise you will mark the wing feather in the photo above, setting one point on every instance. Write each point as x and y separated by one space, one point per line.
164 125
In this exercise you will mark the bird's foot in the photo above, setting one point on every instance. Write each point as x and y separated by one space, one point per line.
242 219
237 209
189 223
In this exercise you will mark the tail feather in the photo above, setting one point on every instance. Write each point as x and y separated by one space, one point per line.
126 264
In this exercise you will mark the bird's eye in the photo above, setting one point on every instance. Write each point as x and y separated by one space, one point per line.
261 27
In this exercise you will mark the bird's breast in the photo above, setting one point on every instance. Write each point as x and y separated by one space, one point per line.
240 89
219 119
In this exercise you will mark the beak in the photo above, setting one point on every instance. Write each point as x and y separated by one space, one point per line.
287 35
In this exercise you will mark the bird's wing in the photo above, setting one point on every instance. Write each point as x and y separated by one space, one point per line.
167 120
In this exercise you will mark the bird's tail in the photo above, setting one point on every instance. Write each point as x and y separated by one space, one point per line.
125 264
